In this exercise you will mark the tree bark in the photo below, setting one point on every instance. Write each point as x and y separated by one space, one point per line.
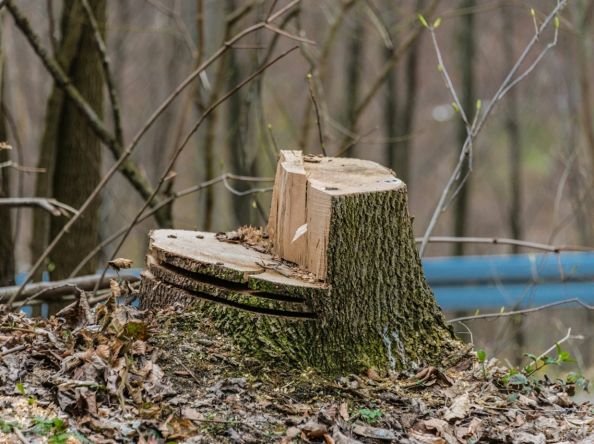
71 150
363 301
467 61
7 267
353 76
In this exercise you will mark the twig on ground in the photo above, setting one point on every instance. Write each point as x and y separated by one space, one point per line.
506 314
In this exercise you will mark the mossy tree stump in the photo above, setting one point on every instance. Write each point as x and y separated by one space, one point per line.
338 285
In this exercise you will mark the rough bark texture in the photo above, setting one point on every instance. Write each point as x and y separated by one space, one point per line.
466 42
374 308
71 28
77 162
7 268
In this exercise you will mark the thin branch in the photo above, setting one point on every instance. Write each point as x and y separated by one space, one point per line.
50 205
510 80
59 288
128 151
505 241
180 148
21 168
317 111
567 337
165 202
506 314
130 170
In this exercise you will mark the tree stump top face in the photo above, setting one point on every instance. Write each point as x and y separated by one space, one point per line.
305 189
337 176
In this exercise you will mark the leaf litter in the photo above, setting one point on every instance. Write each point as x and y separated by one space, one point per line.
113 374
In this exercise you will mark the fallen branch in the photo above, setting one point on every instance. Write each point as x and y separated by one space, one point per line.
506 314
50 205
51 290
504 241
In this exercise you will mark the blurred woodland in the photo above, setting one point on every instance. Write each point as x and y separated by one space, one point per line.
364 81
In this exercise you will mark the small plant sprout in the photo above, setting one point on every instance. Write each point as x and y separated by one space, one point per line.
481 356
423 21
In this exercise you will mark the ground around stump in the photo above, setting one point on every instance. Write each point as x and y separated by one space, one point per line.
114 374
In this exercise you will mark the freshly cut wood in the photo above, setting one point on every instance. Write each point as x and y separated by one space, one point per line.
301 209
337 285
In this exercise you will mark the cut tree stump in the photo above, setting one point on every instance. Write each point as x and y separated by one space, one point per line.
336 285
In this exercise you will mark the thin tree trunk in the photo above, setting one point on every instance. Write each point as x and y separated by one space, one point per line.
7 268
400 120
71 28
512 128
77 165
466 50
353 76
584 57
235 139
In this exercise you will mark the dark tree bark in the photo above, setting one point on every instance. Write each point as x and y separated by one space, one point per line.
400 116
70 151
7 268
512 127
354 63
466 51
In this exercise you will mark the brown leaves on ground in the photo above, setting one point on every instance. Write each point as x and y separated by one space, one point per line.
94 365
110 375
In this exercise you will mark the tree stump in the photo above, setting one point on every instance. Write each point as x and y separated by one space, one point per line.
336 285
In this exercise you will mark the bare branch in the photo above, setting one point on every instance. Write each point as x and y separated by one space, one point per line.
128 151
180 148
505 241
136 177
509 81
506 314
193 189
50 205
60 288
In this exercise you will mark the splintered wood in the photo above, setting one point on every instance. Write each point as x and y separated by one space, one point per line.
301 210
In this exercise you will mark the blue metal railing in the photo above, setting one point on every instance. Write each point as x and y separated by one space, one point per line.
491 282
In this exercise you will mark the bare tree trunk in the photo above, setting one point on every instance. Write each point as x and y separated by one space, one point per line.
76 163
466 50
354 63
7 268
235 137
512 128
71 28
399 121
584 56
